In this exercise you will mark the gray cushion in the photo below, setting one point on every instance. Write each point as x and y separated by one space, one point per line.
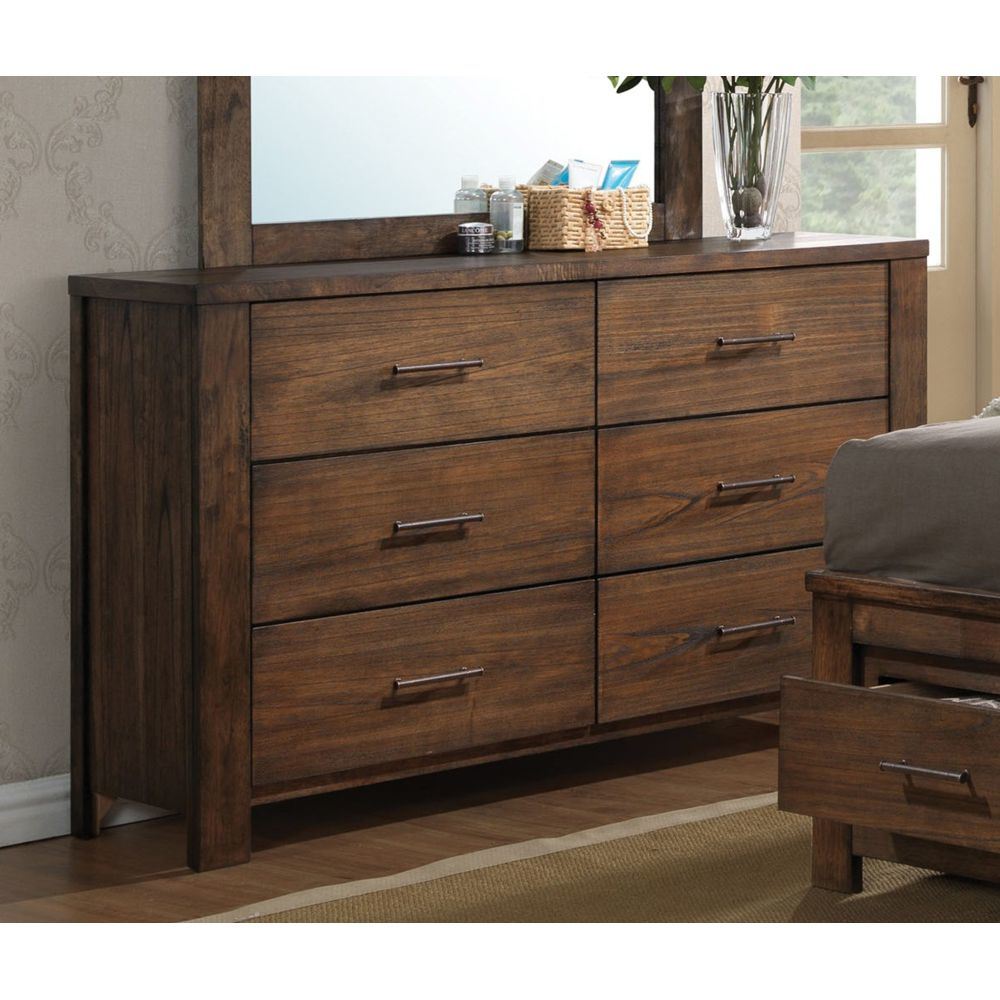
921 504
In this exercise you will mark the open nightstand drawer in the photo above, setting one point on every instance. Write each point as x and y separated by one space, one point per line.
897 758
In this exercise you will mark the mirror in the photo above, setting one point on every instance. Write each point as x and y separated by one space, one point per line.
325 148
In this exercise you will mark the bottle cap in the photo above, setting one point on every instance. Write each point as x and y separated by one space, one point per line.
506 183
470 182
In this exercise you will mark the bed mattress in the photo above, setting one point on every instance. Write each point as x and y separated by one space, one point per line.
919 504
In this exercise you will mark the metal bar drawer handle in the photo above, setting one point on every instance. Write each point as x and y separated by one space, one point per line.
902 767
438 366
767 338
774 622
466 673
753 484
437 522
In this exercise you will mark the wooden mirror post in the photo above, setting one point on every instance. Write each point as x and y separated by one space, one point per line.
228 237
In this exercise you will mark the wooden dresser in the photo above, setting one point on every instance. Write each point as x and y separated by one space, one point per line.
338 523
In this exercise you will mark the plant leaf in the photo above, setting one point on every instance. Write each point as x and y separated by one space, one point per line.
628 83
614 80
667 83
697 82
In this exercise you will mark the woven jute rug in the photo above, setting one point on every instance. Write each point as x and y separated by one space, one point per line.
735 861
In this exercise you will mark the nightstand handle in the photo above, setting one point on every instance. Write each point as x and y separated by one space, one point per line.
767 338
437 522
438 366
774 622
751 484
466 673
902 767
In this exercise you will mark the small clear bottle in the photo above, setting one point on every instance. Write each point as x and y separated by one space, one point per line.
507 216
470 197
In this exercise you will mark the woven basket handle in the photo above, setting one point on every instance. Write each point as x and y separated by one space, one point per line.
628 225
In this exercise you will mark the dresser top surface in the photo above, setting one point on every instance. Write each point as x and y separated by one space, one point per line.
268 283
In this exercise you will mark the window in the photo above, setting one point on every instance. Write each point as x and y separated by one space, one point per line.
872 157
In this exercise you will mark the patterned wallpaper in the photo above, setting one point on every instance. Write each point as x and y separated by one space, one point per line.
96 174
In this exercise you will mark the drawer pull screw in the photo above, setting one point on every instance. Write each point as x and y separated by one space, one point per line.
466 673
437 522
902 767
767 338
438 366
775 622
752 484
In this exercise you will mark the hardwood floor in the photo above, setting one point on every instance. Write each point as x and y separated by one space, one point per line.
138 873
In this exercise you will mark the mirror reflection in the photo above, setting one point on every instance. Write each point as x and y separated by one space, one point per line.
362 147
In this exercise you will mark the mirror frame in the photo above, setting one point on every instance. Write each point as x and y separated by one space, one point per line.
228 237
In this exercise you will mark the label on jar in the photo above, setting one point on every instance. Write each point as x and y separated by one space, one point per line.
517 220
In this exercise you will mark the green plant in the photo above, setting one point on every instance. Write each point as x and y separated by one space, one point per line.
730 84
746 121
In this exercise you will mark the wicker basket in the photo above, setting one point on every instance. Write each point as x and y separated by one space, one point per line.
558 218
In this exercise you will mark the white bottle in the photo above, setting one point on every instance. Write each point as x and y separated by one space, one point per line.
507 216
470 197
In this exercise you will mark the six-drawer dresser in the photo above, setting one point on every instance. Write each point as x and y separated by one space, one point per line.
339 523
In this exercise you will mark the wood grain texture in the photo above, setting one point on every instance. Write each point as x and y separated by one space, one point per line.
323 378
324 698
677 174
926 632
138 560
323 529
658 648
611 733
881 664
964 861
905 594
908 351
83 818
224 212
838 778
658 496
266 283
367 239
218 801
658 357
835 865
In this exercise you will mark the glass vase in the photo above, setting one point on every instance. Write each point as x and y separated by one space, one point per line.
750 136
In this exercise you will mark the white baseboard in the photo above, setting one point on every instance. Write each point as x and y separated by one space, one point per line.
39 809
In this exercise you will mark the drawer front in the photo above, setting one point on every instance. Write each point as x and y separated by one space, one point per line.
325 540
658 641
323 371
325 697
659 356
660 500
834 737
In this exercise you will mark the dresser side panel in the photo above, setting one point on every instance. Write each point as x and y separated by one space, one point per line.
138 547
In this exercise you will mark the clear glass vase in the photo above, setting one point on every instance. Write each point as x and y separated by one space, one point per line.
750 135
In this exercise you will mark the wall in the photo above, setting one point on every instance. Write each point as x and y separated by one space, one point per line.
96 174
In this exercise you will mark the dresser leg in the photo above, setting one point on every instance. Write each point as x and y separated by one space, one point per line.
217 840
85 809
834 864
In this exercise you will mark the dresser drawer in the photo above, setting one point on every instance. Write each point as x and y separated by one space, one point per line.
684 491
659 356
658 633
835 738
326 698
323 371
326 539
